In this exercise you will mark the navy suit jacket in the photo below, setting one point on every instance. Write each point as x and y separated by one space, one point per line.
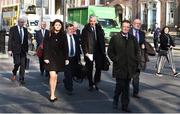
141 36
77 46
39 37
14 43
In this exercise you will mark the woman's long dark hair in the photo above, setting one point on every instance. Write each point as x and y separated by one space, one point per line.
162 32
52 29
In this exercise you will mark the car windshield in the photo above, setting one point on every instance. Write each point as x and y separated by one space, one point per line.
107 23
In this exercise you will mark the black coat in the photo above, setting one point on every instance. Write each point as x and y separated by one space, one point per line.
164 45
87 47
124 54
55 52
87 37
14 43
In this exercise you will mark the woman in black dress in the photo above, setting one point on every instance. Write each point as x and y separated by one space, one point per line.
54 55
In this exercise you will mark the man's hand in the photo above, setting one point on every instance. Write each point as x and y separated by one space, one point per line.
143 46
10 53
66 62
46 61
90 56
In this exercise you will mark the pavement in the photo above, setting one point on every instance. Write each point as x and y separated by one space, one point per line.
158 94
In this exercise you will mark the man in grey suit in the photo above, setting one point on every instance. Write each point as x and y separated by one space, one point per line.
18 47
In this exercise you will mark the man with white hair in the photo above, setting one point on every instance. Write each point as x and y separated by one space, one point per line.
18 47
93 46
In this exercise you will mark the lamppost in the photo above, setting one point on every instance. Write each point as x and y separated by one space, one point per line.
41 10
64 12
21 11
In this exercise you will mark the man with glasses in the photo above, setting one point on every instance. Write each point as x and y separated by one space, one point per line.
140 38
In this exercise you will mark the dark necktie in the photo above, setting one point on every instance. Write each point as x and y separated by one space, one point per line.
21 35
94 33
136 35
71 47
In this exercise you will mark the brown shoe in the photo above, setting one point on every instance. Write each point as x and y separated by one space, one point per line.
13 78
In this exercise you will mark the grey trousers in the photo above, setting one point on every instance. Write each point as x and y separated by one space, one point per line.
163 58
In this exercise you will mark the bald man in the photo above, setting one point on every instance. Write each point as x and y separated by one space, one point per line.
140 38
18 47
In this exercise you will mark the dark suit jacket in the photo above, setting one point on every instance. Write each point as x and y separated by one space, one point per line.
141 36
14 43
39 37
124 54
77 46
164 41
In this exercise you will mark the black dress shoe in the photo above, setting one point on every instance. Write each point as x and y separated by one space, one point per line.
136 96
90 88
21 83
115 105
53 100
126 110
96 87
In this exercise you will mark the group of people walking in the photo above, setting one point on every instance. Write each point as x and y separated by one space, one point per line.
62 50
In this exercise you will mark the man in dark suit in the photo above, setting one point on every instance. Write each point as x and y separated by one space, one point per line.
73 52
18 47
40 35
140 37
93 46
123 51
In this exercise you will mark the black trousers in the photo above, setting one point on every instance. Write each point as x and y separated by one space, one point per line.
69 72
19 61
122 88
135 82
97 75
156 44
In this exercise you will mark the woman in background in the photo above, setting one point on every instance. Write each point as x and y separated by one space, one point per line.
165 52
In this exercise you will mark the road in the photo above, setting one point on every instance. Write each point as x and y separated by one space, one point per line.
159 94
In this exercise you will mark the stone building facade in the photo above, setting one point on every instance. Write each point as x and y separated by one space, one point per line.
163 12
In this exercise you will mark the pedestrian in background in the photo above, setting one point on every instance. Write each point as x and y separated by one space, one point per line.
54 55
139 35
73 52
18 48
123 50
165 52
156 34
93 46
40 35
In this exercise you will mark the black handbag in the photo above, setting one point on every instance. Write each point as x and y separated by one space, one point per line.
149 49
106 64
163 52
80 73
